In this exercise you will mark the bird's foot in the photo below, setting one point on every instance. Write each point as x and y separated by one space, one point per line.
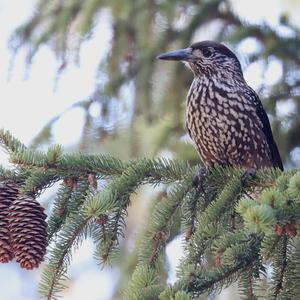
198 180
249 174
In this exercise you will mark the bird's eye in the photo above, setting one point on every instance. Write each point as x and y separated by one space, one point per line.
206 52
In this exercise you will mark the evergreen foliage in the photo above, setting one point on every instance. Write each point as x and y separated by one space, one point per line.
232 233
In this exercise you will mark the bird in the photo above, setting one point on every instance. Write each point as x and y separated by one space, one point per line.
224 116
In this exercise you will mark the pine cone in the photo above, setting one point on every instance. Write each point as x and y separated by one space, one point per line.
28 231
8 194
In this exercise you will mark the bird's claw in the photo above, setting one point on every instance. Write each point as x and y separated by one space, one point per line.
249 174
198 179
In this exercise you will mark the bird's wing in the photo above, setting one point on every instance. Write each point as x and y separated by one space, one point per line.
266 128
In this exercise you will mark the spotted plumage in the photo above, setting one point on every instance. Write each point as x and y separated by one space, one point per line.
224 116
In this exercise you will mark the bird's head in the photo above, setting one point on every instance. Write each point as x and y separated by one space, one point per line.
207 58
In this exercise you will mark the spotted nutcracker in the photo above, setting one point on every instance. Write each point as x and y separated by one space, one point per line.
224 116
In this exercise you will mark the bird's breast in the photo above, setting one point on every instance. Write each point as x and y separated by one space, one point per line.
223 125
209 117
209 122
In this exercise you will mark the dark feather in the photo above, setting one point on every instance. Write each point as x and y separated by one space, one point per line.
261 113
216 46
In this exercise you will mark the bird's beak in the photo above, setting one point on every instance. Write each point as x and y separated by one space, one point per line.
181 54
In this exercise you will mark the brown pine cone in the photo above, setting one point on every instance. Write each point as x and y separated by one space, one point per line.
28 231
8 194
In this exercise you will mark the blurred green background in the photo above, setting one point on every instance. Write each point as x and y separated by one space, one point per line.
139 100
134 105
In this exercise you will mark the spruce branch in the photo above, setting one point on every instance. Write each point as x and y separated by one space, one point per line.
59 210
67 202
104 165
192 203
70 237
211 217
38 181
280 264
236 259
168 294
292 275
247 282
156 236
162 216
114 200
269 244
8 174
217 254
10 143
145 285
